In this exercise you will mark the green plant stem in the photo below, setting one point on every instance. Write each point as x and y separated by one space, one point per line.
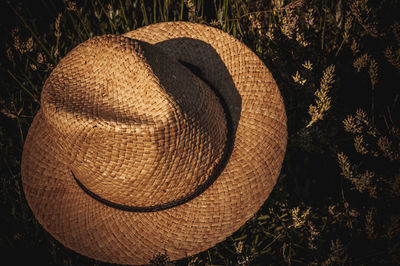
20 131
23 87
75 27
83 24
340 47
144 12
181 14
201 4
250 13
108 17
226 18
31 84
123 14
154 11
162 14
272 242
209 257
18 113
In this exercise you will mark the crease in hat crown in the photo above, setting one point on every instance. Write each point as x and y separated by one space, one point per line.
136 127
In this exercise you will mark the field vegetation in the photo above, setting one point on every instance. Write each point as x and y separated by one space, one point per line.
337 64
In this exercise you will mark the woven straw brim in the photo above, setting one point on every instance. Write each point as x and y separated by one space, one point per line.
87 226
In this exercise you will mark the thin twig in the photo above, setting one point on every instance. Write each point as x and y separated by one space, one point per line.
23 87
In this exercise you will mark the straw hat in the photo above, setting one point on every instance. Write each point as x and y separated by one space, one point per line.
164 140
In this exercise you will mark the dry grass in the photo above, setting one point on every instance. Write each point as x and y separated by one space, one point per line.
337 66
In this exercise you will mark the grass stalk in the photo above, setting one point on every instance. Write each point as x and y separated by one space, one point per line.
83 24
144 12
111 23
340 47
81 37
124 14
154 11
23 87
181 12
161 10
21 134
201 5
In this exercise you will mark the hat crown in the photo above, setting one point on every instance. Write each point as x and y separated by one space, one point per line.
137 128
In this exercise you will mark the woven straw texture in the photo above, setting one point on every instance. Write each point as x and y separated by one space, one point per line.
138 127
